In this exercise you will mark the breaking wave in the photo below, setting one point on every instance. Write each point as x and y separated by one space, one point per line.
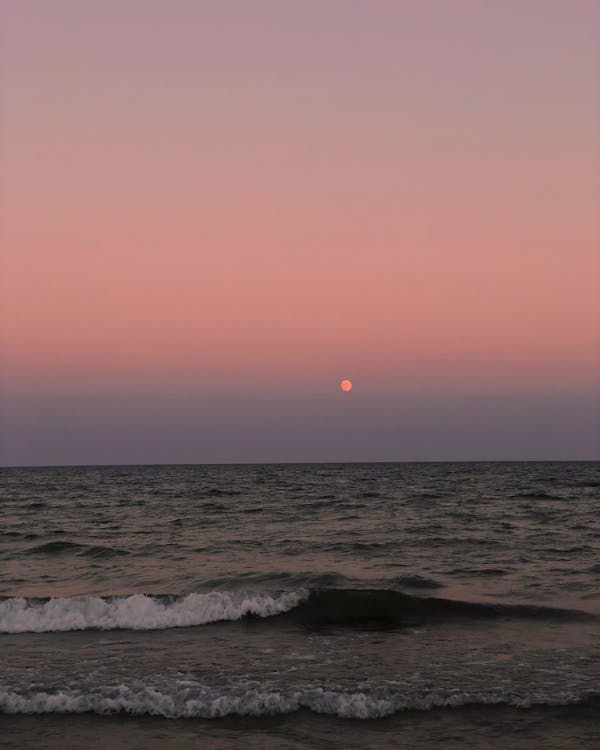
318 608
189 699
138 611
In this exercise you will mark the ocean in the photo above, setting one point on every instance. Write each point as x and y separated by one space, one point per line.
383 605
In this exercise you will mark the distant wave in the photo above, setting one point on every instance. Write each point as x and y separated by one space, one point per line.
418 582
54 548
536 496
319 608
189 699
58 547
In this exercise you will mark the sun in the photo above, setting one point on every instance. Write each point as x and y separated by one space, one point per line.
346 385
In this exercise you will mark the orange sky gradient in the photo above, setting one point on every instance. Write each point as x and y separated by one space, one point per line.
263 197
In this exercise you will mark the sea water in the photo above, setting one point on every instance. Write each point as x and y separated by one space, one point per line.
450 605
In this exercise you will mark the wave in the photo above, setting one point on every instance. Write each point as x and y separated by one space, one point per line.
54 548
364 607
318 608
480 571
138 611
536 496
216 492
59 547
418 582
190 699
278 580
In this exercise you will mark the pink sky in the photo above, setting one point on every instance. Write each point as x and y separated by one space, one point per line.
248 197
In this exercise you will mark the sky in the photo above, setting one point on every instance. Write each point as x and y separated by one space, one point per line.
213 211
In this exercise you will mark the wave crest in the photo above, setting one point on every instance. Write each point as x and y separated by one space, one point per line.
138 611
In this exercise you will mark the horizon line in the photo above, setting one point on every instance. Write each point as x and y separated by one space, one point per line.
307 463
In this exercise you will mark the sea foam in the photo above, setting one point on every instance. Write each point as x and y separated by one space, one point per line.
189 700
138 611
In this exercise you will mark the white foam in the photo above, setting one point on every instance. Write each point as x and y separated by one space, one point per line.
188 700
139 612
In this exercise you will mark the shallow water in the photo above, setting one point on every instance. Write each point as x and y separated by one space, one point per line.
298 599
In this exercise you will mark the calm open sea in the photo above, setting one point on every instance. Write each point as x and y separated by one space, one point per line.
430 605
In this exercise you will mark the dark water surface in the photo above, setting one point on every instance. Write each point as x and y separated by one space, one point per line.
331 606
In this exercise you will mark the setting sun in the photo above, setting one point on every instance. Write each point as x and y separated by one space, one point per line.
346 385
